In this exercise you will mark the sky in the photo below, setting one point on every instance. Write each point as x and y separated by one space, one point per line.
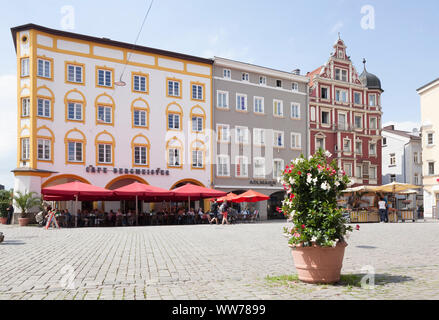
398 39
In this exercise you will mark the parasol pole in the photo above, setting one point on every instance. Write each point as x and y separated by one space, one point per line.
76 211
137 211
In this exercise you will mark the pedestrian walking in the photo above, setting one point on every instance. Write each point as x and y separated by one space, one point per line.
214 210
224 210
10 210
382 208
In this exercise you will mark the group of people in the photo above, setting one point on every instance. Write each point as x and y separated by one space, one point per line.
164 216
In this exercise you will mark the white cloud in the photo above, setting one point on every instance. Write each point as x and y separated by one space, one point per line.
337 27
8 127
404 125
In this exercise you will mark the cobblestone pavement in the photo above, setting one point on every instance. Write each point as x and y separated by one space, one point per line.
208 262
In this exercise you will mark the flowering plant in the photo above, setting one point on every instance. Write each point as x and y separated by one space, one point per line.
312 188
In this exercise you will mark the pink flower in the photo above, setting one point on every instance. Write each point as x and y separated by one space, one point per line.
299 173
303 226
357 227
296 235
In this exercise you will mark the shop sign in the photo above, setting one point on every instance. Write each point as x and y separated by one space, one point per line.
138 171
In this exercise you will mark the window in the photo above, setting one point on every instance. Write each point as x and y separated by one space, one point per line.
278 167
25 67
105 114
384 141
262 80
324 93
372 172
259 136
197 91
430 139
259 168
358 122
279 83
223 133
25 148
105 78
74 111
241 135
43 147
415 158
258 105
241 102
340 54
296 140
372 100
223 166
174 157
197 124
43 107
241 167
416 179
347 167
346 145
141 155
358 147
140 117
431 168
44 68
74 151
227 73
140 83
341 74
392 178
278 139
278 108
357 97
392 159
372 149
197 159
325 117
359 171
320 143
222 99
373 123
342 123
174 88
104 153
295 86
75 73
341 96
295 110
173 121
25 107
245 77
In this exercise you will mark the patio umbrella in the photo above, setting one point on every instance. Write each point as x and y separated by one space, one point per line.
228 198
189 191
250 196
143 191
396 187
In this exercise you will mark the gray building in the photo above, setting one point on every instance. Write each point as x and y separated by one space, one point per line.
402 162
261 123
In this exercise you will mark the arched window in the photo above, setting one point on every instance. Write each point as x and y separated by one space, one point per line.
140 147
75 142
174 152
105 106
140 114
45 101
75 104
45 141
105 145
198 119
174 117
198 153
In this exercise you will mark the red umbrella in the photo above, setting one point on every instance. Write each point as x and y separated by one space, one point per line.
229 197
196 192
250 196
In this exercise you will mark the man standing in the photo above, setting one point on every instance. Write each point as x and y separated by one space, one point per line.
10 210
382 209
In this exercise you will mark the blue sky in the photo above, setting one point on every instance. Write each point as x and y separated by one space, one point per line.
402 50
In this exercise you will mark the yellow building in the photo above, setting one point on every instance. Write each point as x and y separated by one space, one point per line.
429 95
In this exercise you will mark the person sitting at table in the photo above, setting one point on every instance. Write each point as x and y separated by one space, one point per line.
119 218
109 218
191 216
68 217
130 217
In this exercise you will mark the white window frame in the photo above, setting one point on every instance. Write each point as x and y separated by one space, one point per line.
375 152
75 151
430 142
277 174
327 93
44 73
106 111
359 171
349 171
276 135
24 67
222 128
374 100
197 96
245 77
361 147
263 80
349 150
174 91
329 117
371 121
343 72
143 158
227 74
373 172
171 124
259 172
46 146
197 155
316 144
198 121
142 118
340 95
75 73
428 168
296 140
355 122
76 106
258 135
279 103
174 157
243 165
140 88
106 147
223 165
244 139
25 107
361 97
46 111
239 97
226 98
262 105
295 105
105 78
295 87
392 160
25 148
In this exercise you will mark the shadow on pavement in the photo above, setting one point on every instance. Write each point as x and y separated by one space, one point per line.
13 242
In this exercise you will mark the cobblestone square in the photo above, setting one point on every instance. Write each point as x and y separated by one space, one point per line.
208 262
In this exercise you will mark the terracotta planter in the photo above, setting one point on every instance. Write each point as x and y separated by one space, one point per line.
319 264
23 221
3 220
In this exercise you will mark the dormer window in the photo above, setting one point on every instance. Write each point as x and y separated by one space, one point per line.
341 74
340 54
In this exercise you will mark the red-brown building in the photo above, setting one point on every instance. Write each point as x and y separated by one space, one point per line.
345 116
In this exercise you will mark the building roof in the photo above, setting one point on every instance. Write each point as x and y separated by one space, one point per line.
311 75
391 129
107 41
370 80
427 85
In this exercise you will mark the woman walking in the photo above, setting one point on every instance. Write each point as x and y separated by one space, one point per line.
223 209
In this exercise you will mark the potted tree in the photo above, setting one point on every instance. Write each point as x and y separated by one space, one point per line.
5 199
25 201
319 230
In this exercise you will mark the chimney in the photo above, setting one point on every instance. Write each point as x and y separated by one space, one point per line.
296 72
